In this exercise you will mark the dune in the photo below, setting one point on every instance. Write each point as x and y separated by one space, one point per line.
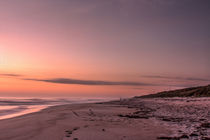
202 91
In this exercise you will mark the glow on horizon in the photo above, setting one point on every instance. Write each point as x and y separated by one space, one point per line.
132 41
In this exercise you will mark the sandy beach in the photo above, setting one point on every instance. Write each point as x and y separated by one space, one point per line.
81 121
129 119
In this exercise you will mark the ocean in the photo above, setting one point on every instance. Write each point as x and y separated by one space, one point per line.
13 107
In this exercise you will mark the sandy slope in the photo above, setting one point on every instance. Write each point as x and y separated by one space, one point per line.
83 122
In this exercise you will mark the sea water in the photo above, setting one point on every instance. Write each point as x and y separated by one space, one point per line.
13 107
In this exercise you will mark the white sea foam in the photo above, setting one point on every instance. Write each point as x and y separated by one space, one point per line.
12 107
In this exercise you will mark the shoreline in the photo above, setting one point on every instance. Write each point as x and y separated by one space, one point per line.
17 107
44 108
128 119
88 121
24 112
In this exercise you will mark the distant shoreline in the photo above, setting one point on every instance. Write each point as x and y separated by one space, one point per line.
13 107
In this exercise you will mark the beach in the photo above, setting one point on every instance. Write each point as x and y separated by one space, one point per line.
80 121
104 70
128 119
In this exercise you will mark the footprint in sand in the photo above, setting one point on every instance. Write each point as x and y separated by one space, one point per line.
85 126
68 134
76 128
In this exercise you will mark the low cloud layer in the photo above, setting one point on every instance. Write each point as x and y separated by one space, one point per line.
10 75
105 83
112 83
91 82
176 78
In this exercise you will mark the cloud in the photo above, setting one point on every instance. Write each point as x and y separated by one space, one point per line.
10 75
91 82
177 78
111 83
106 83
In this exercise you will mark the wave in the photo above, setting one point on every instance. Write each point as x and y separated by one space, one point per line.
13 107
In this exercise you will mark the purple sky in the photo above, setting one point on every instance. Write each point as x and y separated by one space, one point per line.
144 41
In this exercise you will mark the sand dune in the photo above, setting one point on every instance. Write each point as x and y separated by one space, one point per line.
202 91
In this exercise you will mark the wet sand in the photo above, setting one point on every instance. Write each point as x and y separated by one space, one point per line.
82 122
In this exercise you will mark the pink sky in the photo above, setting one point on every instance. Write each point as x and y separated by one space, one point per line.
134 47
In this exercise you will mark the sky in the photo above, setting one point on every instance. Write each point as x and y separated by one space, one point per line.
103 47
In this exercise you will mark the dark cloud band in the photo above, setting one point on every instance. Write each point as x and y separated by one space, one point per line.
90 82
10 75
176 78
